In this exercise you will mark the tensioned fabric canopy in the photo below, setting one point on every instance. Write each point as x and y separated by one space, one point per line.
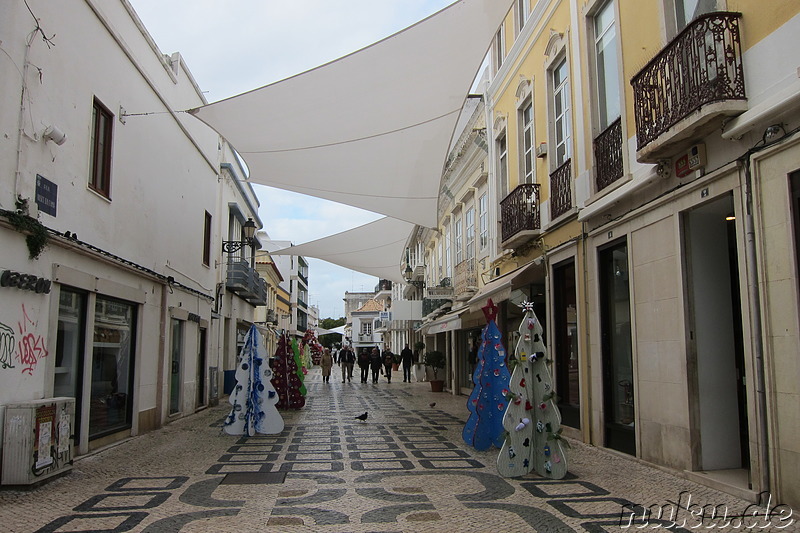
373 128
375 248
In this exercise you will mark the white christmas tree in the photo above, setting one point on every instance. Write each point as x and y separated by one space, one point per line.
532 420
254 398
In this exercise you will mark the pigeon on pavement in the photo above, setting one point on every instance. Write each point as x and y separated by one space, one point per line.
362 417
432 404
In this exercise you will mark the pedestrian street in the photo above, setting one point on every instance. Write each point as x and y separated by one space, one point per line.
403 469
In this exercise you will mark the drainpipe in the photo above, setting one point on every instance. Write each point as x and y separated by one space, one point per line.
754 297
21 119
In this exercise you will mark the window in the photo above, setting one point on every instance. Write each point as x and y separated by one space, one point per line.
366 328
499 48
688 10
470 222
441 260
523 9
447 251
502 163
207 240
561 118
100 162
526 142
112 369
459 244
483 221
605 46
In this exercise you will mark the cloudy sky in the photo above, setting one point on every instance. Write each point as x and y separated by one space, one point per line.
233 46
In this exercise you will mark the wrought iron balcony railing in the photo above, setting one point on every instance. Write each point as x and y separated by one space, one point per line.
703 64
560 190
466 277
608 155
519 211
429 305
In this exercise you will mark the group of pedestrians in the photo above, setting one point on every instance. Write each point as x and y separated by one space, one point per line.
368 360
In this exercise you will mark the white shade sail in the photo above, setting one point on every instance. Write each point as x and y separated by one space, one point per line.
375 248
373 128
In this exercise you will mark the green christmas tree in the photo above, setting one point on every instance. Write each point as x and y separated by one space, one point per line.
532 420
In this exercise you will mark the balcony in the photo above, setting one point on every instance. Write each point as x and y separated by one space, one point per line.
560 190
429 305
608 156
466 276
520 220
690 87
246 283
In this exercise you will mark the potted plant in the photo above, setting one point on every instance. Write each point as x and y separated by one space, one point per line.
435 360
396 360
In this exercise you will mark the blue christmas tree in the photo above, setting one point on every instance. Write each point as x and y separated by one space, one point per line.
254 398
487 403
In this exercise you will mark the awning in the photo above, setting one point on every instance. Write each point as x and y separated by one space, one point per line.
499 289
448 322
373 128
375 248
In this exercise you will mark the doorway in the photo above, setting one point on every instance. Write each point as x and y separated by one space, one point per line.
201 370
70 349
565 327
716 345
615 322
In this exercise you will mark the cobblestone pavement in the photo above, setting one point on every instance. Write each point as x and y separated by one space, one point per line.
404 469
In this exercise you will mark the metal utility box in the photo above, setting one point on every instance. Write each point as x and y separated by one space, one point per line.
37 440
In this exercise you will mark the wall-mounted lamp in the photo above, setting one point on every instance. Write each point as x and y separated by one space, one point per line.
408 274
54 134
248 234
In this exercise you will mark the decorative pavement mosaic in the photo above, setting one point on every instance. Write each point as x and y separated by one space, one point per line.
404 469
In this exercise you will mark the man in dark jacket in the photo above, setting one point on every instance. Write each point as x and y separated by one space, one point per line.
407 358
346 360
363 364
375 362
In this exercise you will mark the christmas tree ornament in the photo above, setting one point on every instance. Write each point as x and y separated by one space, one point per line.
252 412
536 446
488 401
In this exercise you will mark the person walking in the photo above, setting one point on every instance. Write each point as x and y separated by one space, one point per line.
388 361
326 362
375 362
335 354
346 361
363 364
407 358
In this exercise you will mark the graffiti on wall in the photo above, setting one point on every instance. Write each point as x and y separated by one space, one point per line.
6 346
27 351
31 346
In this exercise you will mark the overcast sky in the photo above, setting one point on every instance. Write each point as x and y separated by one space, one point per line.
234 46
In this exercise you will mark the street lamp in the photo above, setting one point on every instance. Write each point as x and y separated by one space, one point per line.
248 234
408 274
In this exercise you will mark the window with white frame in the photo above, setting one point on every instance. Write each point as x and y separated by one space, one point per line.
526 142
502 163
499 47
459 244
688 10
366 328
483 221
562 129
469 221
440 250
607 65
523 11
447 251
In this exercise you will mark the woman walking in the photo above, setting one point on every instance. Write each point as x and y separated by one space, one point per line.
326 363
